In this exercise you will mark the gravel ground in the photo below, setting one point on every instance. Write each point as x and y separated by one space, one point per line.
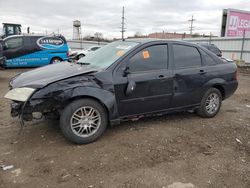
173 151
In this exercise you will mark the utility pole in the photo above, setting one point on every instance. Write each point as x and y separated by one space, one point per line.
191 24
123 23
210 38
242 44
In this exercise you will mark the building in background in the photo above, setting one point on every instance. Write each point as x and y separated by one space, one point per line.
235 23
167 35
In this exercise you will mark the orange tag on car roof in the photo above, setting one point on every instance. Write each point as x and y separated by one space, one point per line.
145 54
120 53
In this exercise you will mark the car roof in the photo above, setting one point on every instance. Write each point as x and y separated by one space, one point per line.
33 35
11 24
207 44
15 36
153 40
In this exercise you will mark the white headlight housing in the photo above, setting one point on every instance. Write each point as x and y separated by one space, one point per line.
19 94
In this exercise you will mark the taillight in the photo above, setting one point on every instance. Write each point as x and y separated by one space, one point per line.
67 53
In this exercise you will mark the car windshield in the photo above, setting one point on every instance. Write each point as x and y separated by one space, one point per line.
107 55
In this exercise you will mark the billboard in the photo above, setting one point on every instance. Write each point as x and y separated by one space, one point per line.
237 23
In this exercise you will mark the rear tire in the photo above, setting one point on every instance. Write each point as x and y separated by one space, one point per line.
55 60
83 121
210 103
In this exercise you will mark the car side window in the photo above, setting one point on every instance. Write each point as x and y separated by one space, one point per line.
14 43
94 48
186 56
150 58
207 59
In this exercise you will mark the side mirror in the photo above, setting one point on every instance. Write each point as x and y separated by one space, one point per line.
126 71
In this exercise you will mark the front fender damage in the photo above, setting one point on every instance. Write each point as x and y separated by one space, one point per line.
52 99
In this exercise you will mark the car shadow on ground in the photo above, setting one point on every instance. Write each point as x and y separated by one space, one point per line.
52 127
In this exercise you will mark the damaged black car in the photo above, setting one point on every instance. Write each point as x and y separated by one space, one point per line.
121 81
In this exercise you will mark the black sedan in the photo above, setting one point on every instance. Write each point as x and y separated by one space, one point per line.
121 81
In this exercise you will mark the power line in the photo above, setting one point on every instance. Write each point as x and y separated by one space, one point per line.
191 28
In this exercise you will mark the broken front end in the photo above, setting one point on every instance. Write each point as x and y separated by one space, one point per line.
33 103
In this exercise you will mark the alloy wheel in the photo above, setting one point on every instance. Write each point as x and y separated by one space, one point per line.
212 103
85 121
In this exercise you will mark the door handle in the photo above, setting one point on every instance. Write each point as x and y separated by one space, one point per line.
202 71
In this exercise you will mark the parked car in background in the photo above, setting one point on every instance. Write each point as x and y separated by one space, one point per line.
124 80
213 48
227 60
77 54
33 50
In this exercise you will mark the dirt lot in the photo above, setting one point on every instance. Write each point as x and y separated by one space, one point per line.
154 152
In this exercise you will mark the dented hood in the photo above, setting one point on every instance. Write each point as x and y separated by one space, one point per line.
43 76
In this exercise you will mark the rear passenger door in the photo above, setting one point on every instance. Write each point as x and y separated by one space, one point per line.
189 75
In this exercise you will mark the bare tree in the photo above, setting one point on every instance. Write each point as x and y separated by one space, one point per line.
98 36
138 34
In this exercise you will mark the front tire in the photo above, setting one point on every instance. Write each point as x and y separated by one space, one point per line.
83 121
210 103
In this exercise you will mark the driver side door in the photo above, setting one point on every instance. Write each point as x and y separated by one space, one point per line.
148 84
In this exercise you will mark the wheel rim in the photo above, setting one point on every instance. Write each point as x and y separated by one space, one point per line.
212 103
85 121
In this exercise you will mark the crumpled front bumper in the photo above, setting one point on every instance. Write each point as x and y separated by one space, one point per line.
16 108
33 108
